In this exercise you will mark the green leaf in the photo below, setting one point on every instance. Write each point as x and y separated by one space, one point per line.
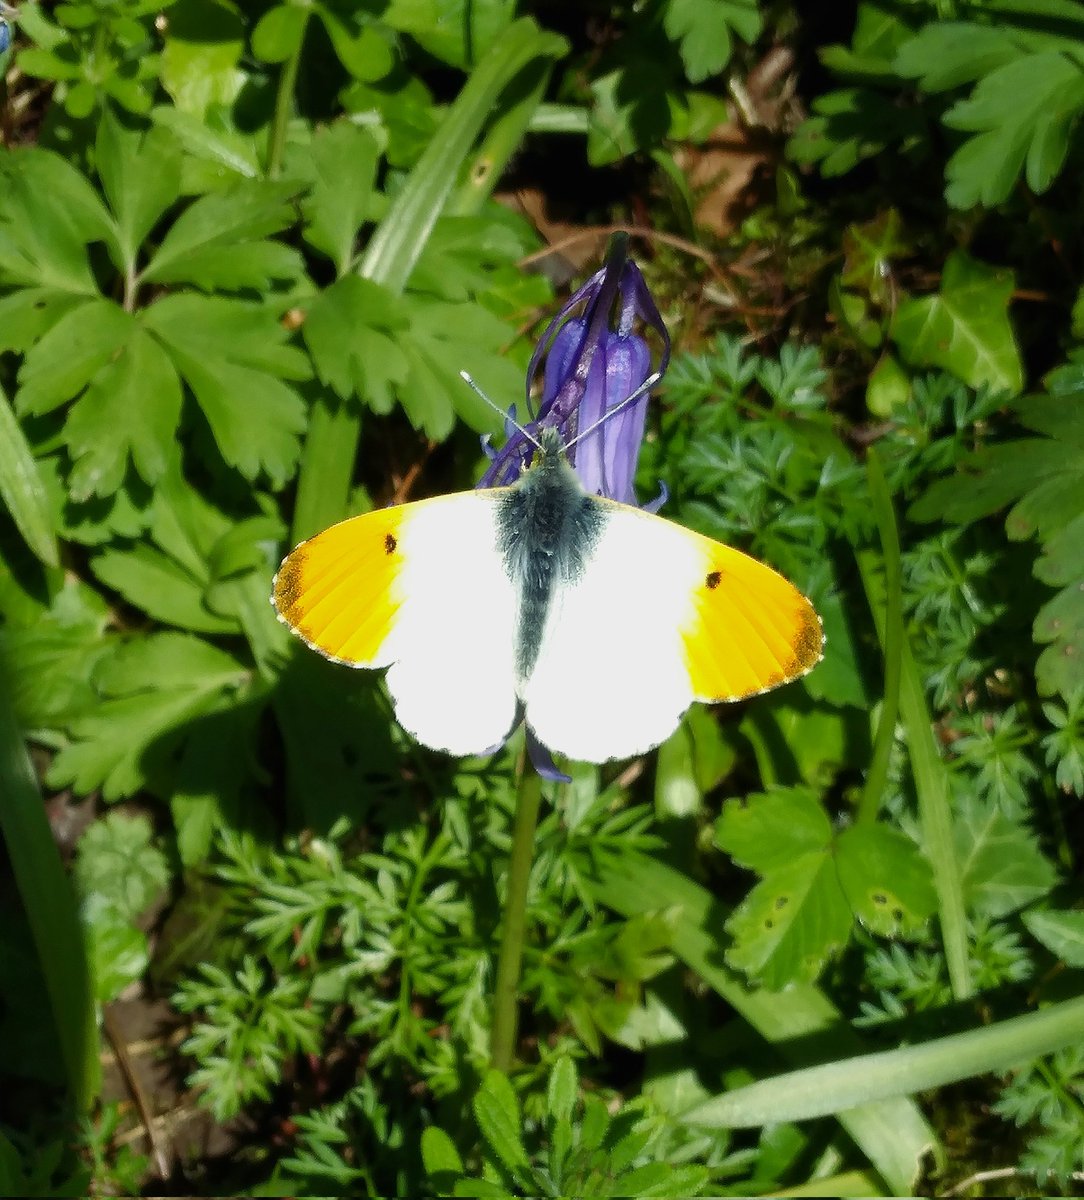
366 51
887 882
214 769
965 328
457 32
221 153
117 864
1062 933
1045 476
439 1154
562 1090
278 33
496 1109
353 331
630 112
797 916
343 160
200 61
815 883
693 760
49 214
71 354
702 28
220 240
141 176
892 1133
851 125
945 54
1001 865
404 231
29 312
131 408
160 587
443 339
231 354
878 34
888 389
119 952
150 689
22 489
1022 115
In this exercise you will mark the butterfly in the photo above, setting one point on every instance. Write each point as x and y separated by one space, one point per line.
596 622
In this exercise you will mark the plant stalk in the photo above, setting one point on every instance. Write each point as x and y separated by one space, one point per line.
284 102
892 634
502 1042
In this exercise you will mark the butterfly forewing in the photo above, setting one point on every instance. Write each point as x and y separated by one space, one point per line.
420 588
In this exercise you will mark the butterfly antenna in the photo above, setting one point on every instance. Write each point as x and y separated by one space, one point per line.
496 407
644 387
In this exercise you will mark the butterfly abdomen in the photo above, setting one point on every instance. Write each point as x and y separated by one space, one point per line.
546 530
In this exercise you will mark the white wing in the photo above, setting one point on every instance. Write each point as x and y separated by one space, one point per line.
421 589
610 679
658 617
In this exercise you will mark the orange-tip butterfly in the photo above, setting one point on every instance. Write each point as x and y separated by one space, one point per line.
596 622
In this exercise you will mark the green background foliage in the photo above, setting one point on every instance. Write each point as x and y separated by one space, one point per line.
828 940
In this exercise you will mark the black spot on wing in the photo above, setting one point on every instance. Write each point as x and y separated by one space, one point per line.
713 579
390 543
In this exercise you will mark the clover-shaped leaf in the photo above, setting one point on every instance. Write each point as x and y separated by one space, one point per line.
816 883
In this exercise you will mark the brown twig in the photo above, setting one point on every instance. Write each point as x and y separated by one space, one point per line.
159 1149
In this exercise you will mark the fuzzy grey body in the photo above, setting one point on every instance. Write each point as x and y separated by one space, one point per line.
547 528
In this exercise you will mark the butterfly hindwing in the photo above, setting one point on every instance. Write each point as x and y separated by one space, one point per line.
420 588
658 617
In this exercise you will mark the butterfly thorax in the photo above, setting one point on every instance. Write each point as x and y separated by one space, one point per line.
547 527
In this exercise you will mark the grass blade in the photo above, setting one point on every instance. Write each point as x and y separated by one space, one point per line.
930 774
50 906
892 1133
398 242
875 1078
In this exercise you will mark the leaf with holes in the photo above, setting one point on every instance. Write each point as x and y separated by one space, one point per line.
816 882
797 916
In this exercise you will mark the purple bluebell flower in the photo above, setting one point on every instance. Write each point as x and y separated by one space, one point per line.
589 370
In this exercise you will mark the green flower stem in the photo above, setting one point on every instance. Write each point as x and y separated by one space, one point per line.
502 1043
284 103
892 636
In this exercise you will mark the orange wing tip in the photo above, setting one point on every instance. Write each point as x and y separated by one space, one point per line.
337 606
742 669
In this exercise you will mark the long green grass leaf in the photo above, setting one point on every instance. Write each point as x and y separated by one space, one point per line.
50 907
892 1134
930 774
398 242
876 1078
